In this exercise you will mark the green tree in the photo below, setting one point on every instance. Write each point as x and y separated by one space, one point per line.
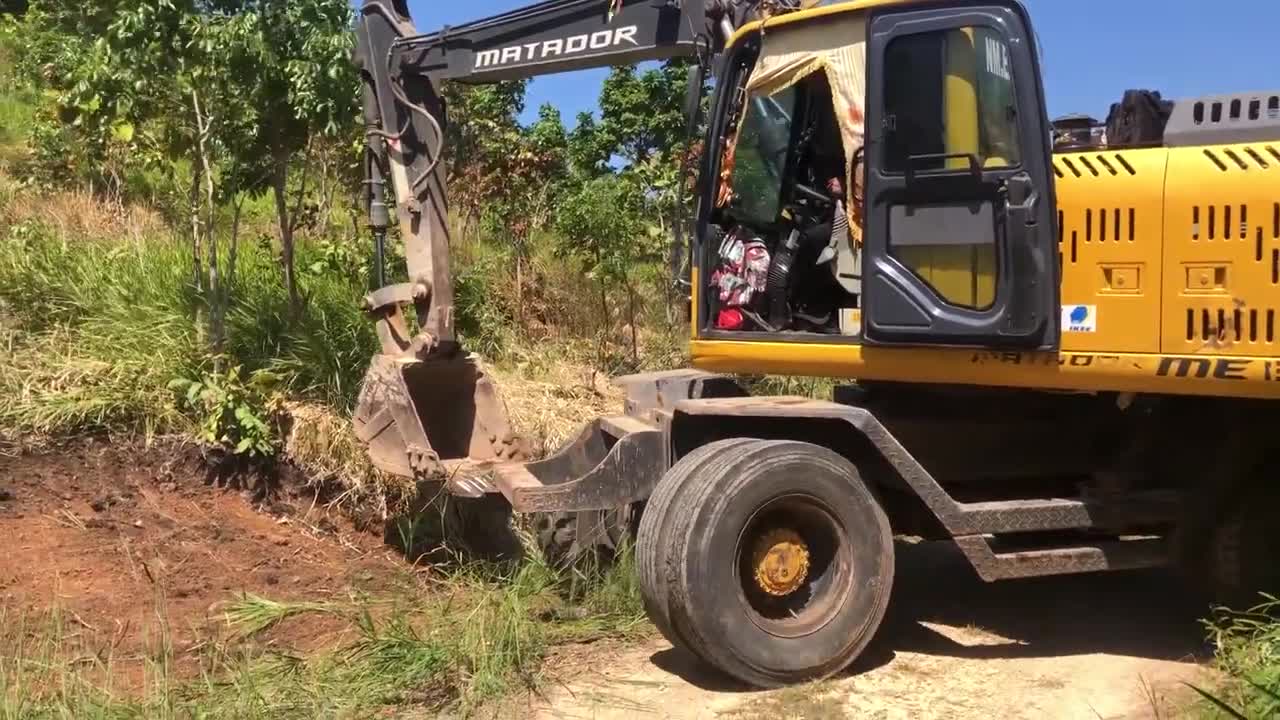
291 61
604 228
233 95
589 150
482 127
503 176
642 125
642 114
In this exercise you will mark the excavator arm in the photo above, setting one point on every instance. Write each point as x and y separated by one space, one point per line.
425 405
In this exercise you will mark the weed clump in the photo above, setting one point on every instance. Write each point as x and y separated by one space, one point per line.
1248 653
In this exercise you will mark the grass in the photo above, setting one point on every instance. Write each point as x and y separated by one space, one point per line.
98 315
80 352
17 106
479 633
1248 653
252 614
95 329
322 443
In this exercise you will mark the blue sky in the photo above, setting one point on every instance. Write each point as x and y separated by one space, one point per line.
1093 50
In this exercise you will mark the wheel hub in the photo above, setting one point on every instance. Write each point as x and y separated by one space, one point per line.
781 561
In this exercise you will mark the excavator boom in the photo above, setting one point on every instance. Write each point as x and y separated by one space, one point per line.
425 404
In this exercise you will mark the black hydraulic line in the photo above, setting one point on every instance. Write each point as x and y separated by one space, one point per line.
778 284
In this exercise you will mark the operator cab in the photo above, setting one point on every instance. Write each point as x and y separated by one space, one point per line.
881 178
781 217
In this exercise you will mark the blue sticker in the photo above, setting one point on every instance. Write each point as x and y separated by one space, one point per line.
1080 318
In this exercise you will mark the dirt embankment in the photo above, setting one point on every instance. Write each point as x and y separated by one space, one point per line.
134 545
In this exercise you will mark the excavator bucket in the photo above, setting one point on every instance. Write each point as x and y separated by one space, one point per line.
421 418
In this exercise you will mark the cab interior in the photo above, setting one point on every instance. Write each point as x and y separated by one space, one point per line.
782 250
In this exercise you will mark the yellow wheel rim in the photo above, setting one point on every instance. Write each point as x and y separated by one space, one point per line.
781 561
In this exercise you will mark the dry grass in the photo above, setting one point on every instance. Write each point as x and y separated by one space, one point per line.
58 383
323 444
801 702
78 214
550 397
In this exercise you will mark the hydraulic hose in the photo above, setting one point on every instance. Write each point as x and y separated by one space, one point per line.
400 95
776 287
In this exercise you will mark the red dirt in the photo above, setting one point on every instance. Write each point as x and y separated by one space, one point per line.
121 537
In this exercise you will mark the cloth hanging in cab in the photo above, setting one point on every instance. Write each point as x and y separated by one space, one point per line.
838 47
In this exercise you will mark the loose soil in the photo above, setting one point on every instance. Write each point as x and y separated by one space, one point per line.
1089 647
134 545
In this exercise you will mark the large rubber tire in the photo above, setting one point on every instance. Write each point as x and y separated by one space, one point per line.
709 596
653 537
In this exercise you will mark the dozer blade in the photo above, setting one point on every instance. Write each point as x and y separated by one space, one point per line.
419 418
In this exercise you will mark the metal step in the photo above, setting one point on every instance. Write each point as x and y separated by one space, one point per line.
1007 564
1012 516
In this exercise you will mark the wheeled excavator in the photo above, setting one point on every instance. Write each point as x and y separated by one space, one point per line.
1061 360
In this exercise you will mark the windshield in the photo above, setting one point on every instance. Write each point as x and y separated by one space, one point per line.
761 156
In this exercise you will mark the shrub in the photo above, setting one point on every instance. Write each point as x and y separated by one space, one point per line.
235 410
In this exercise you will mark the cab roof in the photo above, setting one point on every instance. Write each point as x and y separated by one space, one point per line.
821 9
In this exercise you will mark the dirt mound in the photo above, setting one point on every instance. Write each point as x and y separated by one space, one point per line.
127 541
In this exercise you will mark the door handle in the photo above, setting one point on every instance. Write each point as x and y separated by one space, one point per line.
1022 199
973 164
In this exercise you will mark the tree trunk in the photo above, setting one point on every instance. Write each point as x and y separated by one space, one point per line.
234 244
217 300
279 186
193 208
631 318
602 347
519 290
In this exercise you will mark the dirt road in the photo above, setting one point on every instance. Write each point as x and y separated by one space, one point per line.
1114 646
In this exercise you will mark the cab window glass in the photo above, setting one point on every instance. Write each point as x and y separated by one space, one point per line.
949 93
760 158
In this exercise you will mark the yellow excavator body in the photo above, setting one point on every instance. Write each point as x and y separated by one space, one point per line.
1169 266
1174 254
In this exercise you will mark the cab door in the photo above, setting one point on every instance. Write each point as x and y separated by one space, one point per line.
960 243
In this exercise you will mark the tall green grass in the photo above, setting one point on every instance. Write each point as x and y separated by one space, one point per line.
323 354
17 103
1248 653
94 333
95 330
